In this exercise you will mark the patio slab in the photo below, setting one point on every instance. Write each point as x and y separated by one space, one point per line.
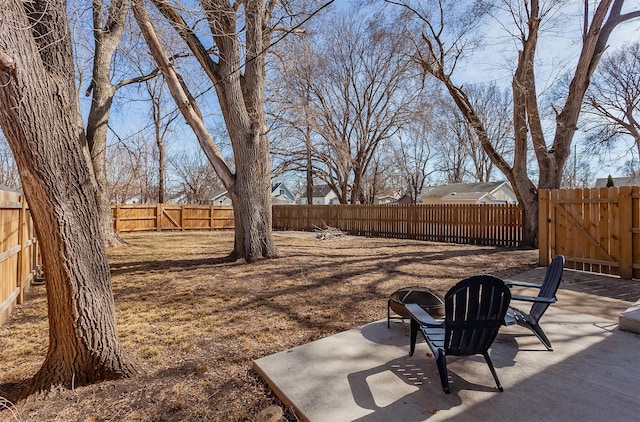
365 374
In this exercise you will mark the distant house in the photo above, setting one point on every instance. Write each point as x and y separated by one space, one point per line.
281 195
322 195
619 181
134 200
176 198
404 200
387 199
220 198
471 193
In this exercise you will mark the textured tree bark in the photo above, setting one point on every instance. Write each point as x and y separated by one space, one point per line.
39 117
527 121
107 36
241 98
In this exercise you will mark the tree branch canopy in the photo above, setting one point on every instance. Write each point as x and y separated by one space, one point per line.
190 113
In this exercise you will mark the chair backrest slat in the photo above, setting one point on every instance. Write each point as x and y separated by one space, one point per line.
552 279
474 311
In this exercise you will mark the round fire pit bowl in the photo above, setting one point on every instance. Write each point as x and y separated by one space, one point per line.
430 301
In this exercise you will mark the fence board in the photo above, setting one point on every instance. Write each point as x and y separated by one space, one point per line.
18 251
598 230
161 217
497 225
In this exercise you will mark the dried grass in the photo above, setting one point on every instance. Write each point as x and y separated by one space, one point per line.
194 320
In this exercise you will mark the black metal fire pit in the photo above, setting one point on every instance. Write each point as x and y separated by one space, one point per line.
430 301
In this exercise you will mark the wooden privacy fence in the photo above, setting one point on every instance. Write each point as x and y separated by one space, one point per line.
483 224
159 217
597 230
499 225
18 251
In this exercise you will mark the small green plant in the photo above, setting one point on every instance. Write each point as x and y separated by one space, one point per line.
609 181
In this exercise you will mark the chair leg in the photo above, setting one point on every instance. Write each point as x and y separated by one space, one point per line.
414 336
541 336
493 370
441 363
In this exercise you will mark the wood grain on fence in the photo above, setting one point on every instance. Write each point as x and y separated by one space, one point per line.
497 225
597 230
161 217
18 251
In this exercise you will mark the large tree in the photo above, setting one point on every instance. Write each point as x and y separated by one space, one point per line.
237 71
445 38
613 99
355 90
412 153
290 108
108 23
39 115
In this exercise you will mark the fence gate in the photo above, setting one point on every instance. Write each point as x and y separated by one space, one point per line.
597 230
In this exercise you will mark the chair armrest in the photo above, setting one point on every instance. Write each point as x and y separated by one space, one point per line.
517 283
509 319
534 299
421 316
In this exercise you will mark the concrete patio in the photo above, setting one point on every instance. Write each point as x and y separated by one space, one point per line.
365 374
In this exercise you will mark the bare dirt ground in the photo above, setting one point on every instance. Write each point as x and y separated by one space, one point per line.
194 321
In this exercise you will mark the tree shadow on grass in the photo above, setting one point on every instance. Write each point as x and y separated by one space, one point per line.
12 391
162 265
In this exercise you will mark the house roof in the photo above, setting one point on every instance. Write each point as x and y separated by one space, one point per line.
469 190
319 191
218 193
275 186
619 181
467 196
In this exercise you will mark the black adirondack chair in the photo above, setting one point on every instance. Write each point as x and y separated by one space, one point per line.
546 297
474 311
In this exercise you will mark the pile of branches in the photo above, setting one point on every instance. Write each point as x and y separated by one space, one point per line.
327 233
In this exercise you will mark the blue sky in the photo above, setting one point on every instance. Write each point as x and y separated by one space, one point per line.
559 46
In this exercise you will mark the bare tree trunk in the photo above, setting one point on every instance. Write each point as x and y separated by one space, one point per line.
241 98
525 190
40 122
246 124
107 36
155 93
161 168
527 120
309 160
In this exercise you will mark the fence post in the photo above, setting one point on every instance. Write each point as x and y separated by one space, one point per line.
21 239
116 222
158 217
544 219
625 209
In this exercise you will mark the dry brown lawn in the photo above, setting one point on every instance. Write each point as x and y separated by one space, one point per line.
194 321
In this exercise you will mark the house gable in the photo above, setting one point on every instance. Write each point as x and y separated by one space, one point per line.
322 195
220 198
471 193
281 194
